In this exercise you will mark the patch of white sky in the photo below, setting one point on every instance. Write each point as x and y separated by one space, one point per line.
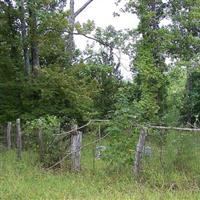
101 12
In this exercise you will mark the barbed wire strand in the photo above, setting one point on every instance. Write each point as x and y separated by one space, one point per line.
67 155
81 127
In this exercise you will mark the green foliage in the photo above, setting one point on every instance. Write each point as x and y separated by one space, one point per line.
159 93
54 92
191 100
121 128
85 28
121 147
111 43
51 42
185 16
185 46
148 58
59 87
104 97
175 97
49 126
182 152
152 82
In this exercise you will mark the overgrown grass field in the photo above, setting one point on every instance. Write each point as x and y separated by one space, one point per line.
26 180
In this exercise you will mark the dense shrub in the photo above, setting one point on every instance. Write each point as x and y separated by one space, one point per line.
49 127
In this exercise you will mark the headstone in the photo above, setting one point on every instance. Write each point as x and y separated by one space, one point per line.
99 151
147 151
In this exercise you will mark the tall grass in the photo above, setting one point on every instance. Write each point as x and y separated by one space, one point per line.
26 180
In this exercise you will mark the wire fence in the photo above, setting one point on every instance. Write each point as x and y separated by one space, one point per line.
159 150
63 147
171 153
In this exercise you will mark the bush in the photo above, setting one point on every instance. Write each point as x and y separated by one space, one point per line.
52 149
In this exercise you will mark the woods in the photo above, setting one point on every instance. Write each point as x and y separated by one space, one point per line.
61 103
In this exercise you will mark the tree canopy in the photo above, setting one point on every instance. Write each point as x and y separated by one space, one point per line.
43 72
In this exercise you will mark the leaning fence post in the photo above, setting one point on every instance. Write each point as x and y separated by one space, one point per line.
19 139
41 144
139 149
8 135
76 140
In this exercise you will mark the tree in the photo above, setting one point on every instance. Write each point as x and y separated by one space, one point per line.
186 45
70 45
34 30
108 84
24 38
33 25
108 50
149 60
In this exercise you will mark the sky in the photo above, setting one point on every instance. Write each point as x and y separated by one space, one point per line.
101 11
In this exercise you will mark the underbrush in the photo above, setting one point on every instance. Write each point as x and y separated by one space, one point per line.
25 179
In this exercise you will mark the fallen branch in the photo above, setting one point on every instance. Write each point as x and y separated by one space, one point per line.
174 128
167 128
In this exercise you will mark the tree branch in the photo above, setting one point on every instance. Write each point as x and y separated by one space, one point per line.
82 8
92 38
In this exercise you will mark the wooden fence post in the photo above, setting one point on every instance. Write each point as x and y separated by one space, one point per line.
98 136
76 141
8 135
139 150
19 139
41 144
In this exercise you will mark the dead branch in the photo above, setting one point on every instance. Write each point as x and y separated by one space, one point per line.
81 127
174 128
82 8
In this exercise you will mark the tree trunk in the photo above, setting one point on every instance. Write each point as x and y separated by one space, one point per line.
34 41
70 45
27 66
13 32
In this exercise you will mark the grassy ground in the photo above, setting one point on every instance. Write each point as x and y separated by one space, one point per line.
25 180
